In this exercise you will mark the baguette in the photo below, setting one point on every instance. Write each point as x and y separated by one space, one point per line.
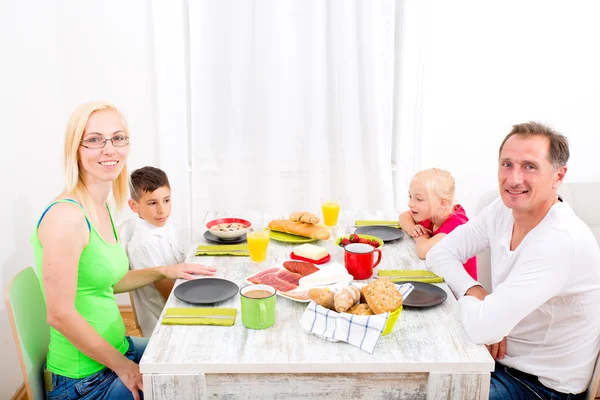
299 228
303 216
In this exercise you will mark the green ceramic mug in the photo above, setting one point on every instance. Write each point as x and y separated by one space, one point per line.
258 306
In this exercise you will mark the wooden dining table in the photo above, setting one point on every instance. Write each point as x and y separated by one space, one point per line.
428 355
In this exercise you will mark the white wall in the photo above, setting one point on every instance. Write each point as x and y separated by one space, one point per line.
489 66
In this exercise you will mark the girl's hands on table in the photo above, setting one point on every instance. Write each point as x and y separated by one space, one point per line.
419 230
187 271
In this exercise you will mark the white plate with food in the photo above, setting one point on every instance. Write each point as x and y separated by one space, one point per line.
293 279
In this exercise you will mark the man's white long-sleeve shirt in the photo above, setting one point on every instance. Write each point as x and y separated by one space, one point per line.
545 294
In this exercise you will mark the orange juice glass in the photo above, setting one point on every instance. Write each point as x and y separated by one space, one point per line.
258 242
331 211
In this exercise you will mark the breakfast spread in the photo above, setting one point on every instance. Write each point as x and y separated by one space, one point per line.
299 229
301 224
311 252
378 297
354 238
332 274
382 295
361 309
285 278
303 216
345 298
348 313
303 268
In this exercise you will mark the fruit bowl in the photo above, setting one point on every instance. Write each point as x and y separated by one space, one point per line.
228 228
368 239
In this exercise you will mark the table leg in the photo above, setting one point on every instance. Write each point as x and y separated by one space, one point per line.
470 386
167 387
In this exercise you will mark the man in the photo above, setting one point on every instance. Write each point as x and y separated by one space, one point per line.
542 320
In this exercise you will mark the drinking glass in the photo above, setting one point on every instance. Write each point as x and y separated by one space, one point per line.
258 242
331 211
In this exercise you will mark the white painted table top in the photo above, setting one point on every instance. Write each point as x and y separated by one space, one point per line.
423 340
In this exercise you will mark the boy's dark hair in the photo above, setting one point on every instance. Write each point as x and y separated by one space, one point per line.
146 180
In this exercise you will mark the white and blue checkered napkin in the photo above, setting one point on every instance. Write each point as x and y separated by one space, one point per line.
361 331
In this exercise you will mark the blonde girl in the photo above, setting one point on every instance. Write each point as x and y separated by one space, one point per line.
433 212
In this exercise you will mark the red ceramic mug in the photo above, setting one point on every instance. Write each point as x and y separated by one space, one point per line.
359 260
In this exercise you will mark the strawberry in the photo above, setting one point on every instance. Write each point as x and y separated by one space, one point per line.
362 240
374 243
344 242
353 238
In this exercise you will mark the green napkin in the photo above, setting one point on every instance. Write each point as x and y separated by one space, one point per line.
199 316
394 224
419 275
223 250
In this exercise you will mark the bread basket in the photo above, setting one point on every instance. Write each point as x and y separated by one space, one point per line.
362 331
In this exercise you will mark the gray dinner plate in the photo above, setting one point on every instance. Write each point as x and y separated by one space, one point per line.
206 290
215 239
424 295
385 233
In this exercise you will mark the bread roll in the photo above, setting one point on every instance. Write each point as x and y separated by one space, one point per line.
303 216
361 309
323 297
382 295
299 228
345 298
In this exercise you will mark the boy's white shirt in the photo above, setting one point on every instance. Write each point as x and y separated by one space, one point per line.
152 246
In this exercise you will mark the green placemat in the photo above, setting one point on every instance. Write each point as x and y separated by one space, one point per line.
360 223
223 250
199 316
418 275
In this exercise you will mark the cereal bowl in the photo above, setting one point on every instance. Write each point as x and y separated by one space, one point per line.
228 228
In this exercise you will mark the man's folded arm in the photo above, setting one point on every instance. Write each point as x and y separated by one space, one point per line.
540 275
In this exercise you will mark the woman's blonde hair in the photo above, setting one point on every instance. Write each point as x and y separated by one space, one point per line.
73 179
439 184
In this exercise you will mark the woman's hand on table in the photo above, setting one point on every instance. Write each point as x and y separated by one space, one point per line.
187 271
129 373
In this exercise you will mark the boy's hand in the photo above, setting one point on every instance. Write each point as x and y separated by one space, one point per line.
187 271
419 230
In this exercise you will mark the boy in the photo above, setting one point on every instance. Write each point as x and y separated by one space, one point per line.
153 243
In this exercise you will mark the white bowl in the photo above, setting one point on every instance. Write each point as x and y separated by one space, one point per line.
226 233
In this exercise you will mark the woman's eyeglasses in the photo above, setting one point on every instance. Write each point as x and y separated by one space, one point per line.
99 142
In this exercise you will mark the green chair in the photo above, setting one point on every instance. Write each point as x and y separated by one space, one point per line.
27 314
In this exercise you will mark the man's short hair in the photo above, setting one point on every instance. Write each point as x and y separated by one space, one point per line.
559 144
147 180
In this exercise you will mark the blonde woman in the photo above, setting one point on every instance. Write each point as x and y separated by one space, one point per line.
81 265
433 212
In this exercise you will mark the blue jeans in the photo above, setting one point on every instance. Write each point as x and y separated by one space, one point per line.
511 384
102 385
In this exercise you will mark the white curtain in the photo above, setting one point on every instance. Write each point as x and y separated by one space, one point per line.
291 101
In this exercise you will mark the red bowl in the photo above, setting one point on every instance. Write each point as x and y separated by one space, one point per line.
228 234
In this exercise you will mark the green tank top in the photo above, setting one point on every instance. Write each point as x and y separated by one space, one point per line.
101 266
